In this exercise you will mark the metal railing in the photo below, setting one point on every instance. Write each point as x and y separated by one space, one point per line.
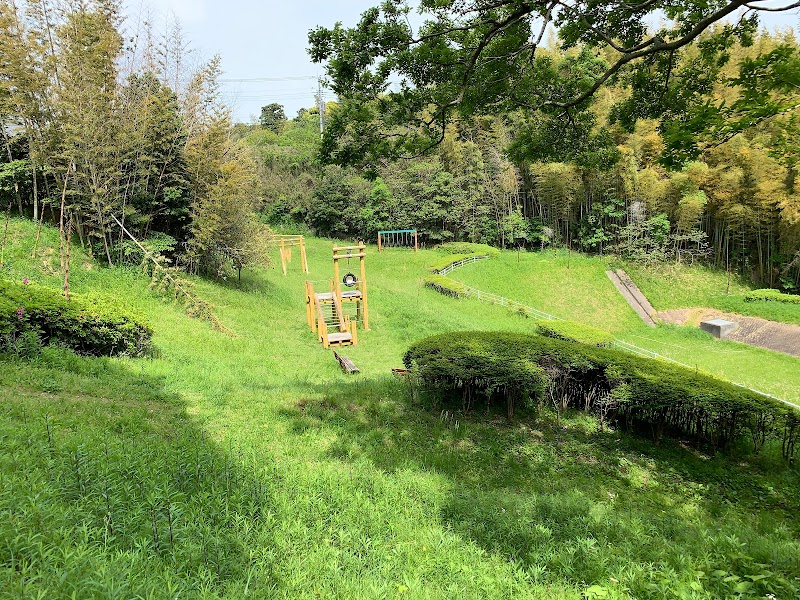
459 263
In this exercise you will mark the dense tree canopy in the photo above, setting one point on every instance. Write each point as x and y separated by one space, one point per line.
110 132
272 117
473 57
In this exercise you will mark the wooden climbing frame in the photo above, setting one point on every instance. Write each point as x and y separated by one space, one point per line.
326 319
398 238
285 244
358 293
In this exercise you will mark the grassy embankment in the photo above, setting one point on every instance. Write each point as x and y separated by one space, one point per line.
250 465
575 287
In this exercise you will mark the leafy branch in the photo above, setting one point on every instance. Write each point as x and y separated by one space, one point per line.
165 280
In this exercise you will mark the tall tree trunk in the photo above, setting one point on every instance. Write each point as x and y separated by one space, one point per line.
35 194
7 143
68 258
61 220
5 236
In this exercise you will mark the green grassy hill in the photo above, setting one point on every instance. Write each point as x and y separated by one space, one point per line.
250 465
575 287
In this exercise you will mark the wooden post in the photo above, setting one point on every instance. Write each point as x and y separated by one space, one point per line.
283 256
379 241
363 283
335 287
303 254
354 332
310 299
416 244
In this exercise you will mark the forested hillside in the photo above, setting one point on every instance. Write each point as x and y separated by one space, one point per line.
106 128
728 198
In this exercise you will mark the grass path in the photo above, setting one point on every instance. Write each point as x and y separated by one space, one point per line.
342 487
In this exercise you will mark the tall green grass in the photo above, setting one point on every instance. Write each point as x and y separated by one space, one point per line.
283 477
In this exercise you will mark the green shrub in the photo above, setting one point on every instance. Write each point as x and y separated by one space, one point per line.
574 332
445 285
771 295
646 394
156 243
469 248
88 325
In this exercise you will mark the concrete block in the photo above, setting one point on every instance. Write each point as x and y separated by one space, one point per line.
719 328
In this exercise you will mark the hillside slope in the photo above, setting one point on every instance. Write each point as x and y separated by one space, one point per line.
249 464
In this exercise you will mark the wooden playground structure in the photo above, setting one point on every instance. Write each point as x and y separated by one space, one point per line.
334 315
285 244
398 238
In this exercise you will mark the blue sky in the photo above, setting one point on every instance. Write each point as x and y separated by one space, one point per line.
268 39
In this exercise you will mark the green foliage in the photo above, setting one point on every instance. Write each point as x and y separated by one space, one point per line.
472 58
645 241
649 394
771 296
600 228
469 248
272 117
157 243
90 325
226 234
444 285
574 332
12 175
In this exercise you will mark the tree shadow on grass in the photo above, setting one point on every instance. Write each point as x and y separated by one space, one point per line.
569 503
111 490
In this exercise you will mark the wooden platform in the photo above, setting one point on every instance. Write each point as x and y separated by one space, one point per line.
327 297
341 338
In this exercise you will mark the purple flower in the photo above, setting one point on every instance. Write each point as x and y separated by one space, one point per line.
20 312
26 281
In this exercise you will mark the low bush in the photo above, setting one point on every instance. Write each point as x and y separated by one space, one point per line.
574 332
642 393
469 248
445 285
88 325
771 296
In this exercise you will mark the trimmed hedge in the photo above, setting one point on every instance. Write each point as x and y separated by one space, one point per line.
88 325
574 332
645 394
445 285
469 248
771 296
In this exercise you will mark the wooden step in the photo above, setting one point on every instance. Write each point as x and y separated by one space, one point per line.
340 338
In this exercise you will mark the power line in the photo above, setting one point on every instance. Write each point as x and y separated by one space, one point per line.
259 79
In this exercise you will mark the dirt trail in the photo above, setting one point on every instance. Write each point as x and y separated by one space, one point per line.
782 337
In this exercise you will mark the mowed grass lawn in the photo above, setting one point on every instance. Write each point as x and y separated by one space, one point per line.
251 466
575 287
